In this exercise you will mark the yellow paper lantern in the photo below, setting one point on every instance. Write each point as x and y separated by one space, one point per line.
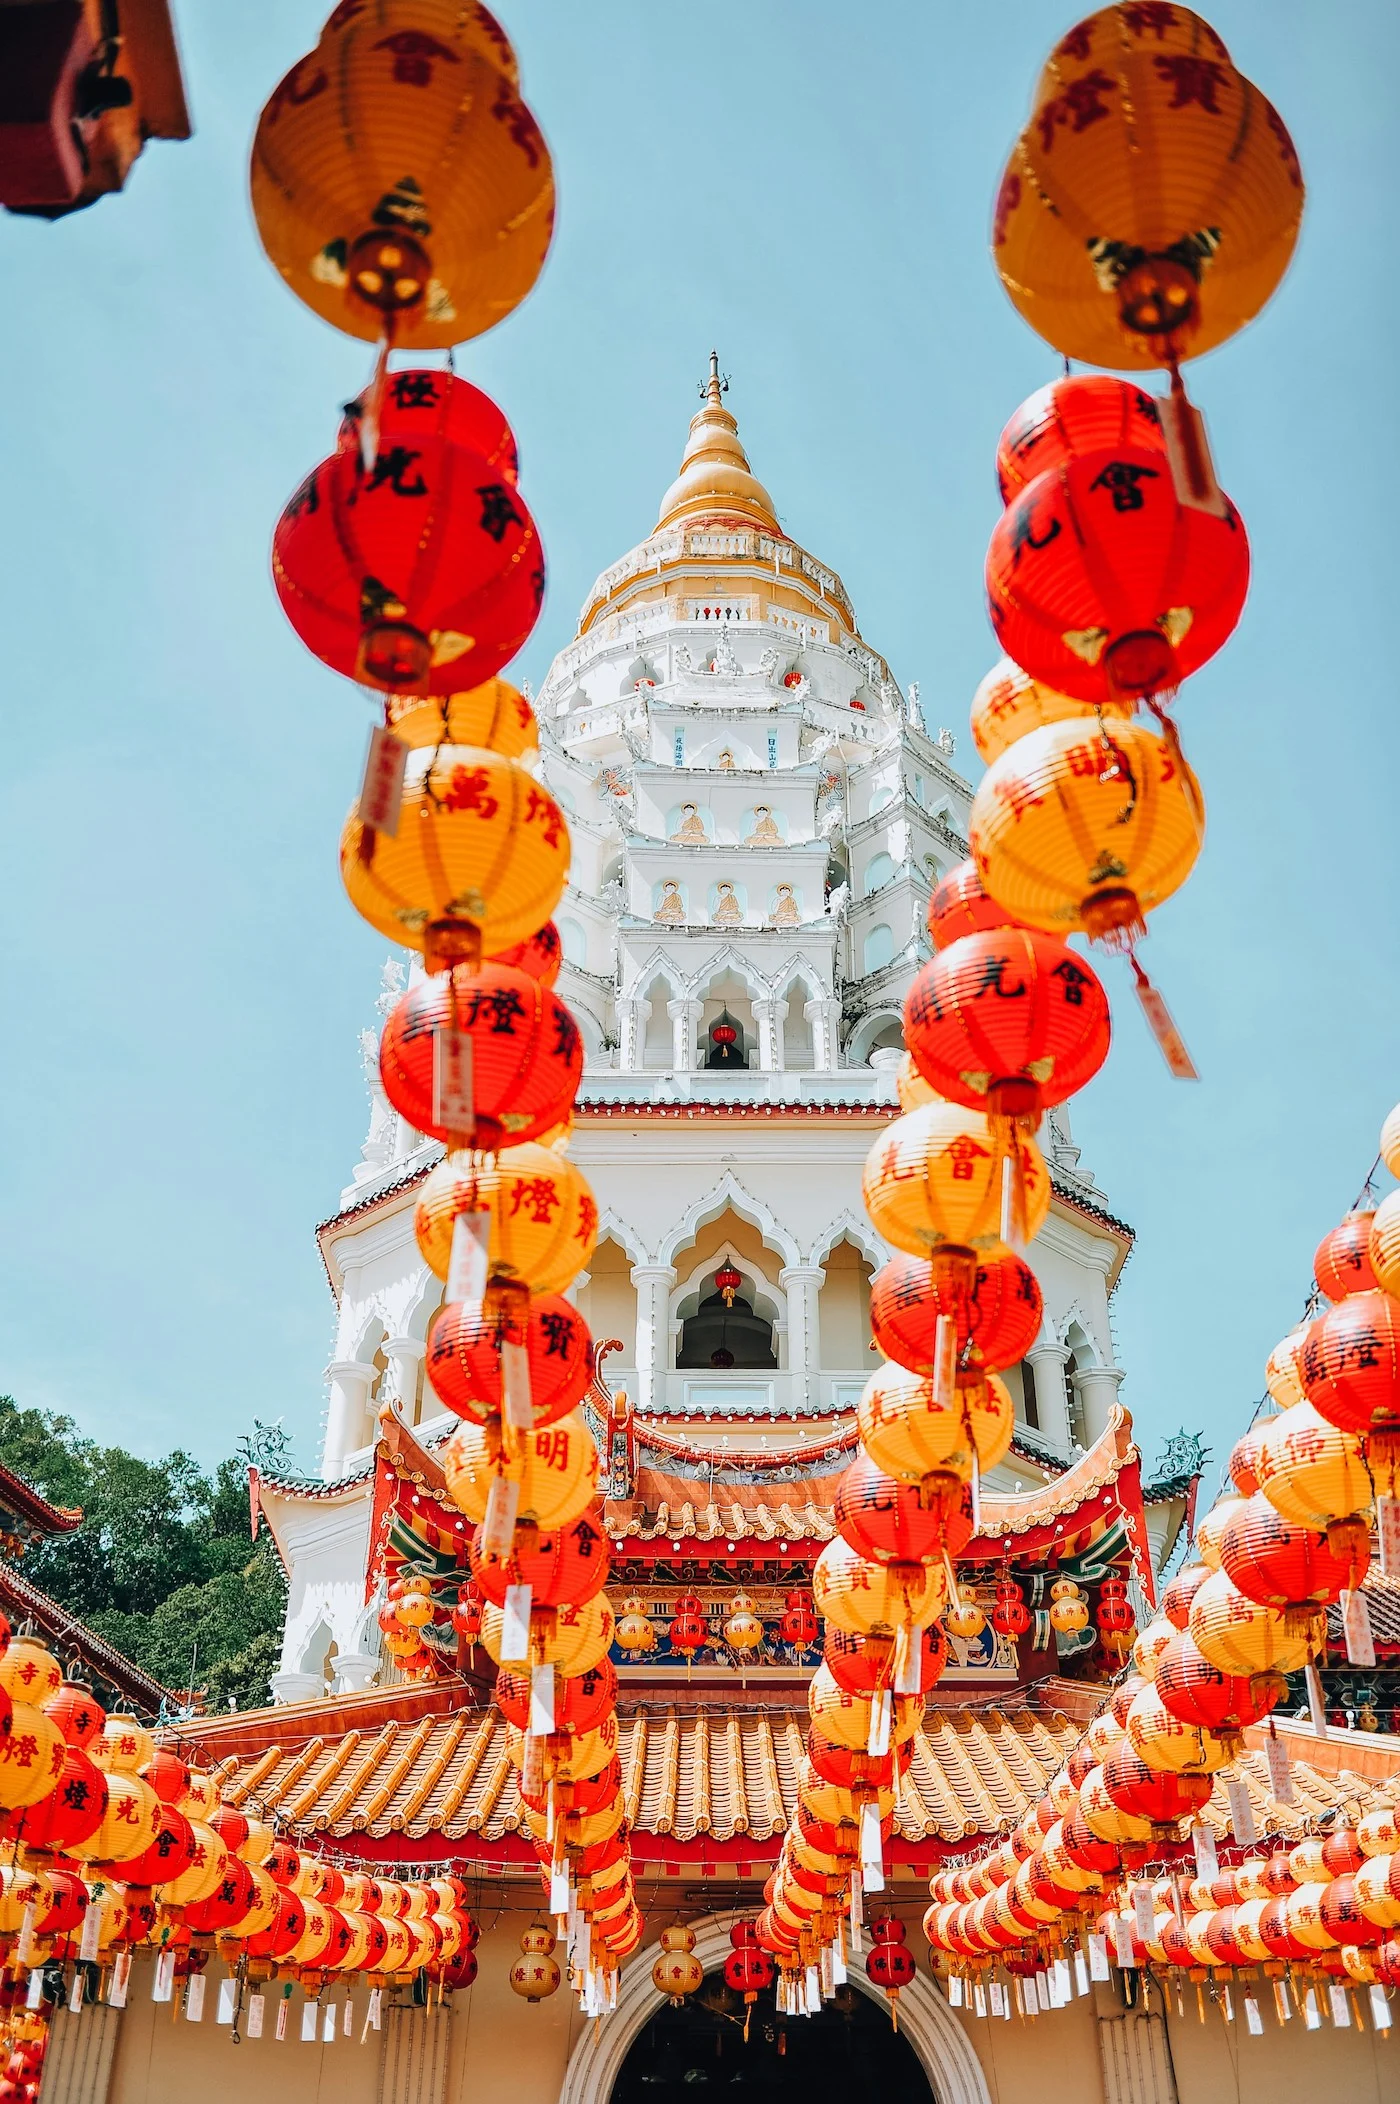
262 1909
585 1754
535 1974
1384 1250
1303 1914
495 715
205 1874
934 1178
478 861
1102 1816
1154 197
1210 1530
1009 703
908 1433
125 1746
570 1638
1374 1895
201 1795
130 1823
1281 1375
845 1718
1086 827
1390 1141
743 1630
911 1088
1309 1470
556 1468
1237 1635
964 1618
635 1631
397 175
32 1753
677 1972
29 1672
1150 1645
1162 1742
543 1216
874 1599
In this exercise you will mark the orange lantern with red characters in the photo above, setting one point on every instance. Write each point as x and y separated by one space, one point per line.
485 1059
466 1359
996 1317
1081 413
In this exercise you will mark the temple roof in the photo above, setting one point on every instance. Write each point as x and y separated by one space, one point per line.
37 1517
70 1639
715 478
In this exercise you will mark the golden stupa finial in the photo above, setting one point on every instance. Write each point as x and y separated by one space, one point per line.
715 477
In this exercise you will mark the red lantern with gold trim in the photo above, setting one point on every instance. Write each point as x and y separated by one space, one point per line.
996 1319
689 1630
1101 583
1082 413
424 403
423 572
798 1626
73 1810
541 955
1010 1615
523 1063
1009 1021
961 906
888 1963
1350 1363
1196 1692
1149 1793
562 1566
1282 1565
888 1521
1342 1260
465 1365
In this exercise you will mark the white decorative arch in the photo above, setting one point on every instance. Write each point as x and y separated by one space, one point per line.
846 1227
802 967
1085 1346
612 1227
944 2051
867 1030
656 964
769 1299
728 1192
728 959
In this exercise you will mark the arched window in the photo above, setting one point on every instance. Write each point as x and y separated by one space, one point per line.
574 941
879 871
878 949
717 1337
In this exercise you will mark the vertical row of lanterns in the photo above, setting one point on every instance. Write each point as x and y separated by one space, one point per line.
404 191
1291 1538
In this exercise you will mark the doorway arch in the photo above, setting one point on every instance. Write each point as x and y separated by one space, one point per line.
943 2049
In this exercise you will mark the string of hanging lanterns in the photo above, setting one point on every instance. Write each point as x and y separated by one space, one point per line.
404 191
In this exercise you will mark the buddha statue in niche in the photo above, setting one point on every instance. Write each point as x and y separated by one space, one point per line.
670 907
692 829
728 912
765 832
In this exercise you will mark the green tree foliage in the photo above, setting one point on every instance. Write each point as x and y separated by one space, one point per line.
162 1565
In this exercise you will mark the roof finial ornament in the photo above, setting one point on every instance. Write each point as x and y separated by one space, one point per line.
716 387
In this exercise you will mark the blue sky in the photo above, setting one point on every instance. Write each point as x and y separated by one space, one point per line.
808 187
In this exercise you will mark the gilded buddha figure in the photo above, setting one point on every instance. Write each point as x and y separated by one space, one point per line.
728 912
765 832
692 829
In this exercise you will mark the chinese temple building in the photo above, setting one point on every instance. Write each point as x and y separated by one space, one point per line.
758 813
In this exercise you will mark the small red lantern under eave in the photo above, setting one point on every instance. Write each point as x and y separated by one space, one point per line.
798 1626
728 1279
1010 1615
748 1969
689 1630
889 1964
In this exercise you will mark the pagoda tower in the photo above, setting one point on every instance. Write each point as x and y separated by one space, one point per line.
758 817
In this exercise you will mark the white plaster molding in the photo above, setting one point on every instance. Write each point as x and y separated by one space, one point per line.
944 2051
849 1227
729 1191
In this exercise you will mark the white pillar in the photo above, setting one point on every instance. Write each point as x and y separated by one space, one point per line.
405 1356
1098 1390
632 1019
825 1019
684 1017
802 1283
354 1670
1047 1363
346 1427
653 1283
297 1687
769 1016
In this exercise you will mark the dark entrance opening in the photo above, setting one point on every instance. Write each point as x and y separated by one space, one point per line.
849 2053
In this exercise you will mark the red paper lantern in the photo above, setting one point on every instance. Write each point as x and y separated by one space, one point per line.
1282 1565
1180 1592
1342 1261
464 1357
887 1521
689 1630
173 1852
1342 1852
466 1612
1008 1021
861 1664
798 1626
1084 1848
889 1964
76 1711
728 1279
997 1319
1102 584
1196 1692
1010 1615
1148 1793
283 1863
1082 413
424 404
594 1794
541 955
424 572
960 906
1114 1613
1350 1363
167 1775
74 1809
525 1062
1342 1916
748 1969
564 1566
1244 1464
850 1769
226 1906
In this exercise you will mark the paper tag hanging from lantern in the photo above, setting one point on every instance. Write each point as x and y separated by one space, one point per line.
257 2009
194 1999
1253 2017
1341 2008
348 2023
1317 1707
1144 1913
498 1527
1081 1974
857 1915
1388 1530
945 1360
1356 1627
909 1658
542 1700
92 1932
381 790
466 1265
1188 454
308 2023
532 1769
559 1889
881 1705
24 1950
1280 1773
1207 1859
1283 2009
1227 2004
75 1993
164 1978
872 1856
515 1625
1098 1957
228 1995
1380 2009
328 2025
1172 1045
1241 1812
376 2004
979 1999
121 1975
35 1991
1122 1939
976 1487
454 1099
517 1404
955 1992
279 2029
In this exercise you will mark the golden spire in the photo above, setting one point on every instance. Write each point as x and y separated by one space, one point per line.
715 476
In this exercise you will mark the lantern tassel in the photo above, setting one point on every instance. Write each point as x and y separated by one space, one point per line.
374 402
1159 1021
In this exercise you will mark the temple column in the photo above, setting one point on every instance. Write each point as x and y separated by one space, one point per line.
1098 1392
346 1429
770 1016
685 1015
1047 1364
802 1283
653 1283
825 1019
632 1020
405 1355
